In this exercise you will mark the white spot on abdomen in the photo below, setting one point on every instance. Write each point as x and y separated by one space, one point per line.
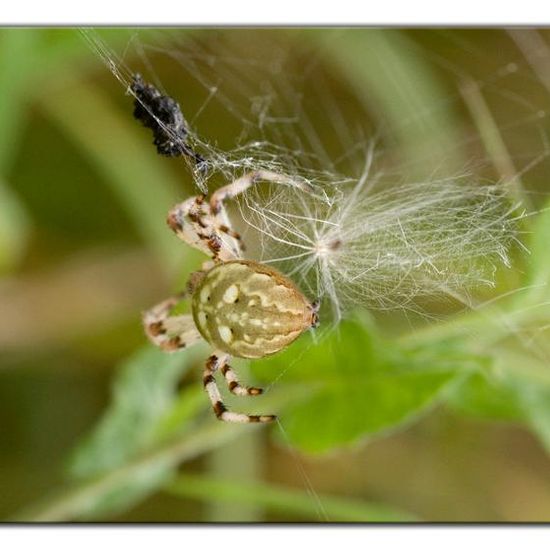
231 294
202 319
225 334
205 294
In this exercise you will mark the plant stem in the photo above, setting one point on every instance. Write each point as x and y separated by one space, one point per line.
80 500
281 499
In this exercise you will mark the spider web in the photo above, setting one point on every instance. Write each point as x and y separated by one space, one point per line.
419 210
384 228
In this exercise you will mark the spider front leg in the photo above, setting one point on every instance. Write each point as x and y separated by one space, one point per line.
193 222
206 226
239 186
215 362
248 180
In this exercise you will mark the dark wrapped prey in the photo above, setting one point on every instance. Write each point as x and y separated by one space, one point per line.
163 116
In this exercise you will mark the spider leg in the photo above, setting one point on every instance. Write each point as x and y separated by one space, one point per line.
192 223
234 189
233 383
213 363
248 180
203 225
170 333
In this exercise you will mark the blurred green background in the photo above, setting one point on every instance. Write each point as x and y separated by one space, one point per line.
447 420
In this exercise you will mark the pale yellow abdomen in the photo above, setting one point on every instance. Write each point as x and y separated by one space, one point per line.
247 309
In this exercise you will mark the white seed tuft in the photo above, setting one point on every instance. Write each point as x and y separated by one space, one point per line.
385 248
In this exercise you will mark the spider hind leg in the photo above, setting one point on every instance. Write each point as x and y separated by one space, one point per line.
214 363
233 383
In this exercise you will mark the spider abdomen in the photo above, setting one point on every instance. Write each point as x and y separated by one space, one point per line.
247 309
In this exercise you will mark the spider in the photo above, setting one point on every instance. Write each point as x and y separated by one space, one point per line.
241 307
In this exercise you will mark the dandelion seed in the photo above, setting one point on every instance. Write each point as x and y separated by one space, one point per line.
385 248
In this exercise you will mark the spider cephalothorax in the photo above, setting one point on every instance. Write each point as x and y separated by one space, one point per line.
242 308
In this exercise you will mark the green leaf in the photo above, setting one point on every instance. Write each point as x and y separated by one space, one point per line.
344 414
144 393
145 411
535 401
484 395
538 275
359 385
516 389
17 56
528 377
19 51
14 229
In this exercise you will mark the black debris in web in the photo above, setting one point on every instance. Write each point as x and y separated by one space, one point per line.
163 116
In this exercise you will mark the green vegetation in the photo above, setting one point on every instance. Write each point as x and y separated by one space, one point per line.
83 199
